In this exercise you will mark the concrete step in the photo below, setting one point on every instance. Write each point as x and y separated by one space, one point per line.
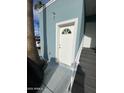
88 51
90 73
88 89
87 61
77 88
88 67
86 72
79 79
87 56
91 82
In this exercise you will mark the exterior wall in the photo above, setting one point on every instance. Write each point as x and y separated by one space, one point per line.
60 10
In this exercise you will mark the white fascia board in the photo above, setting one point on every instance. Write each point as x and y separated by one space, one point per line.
45 6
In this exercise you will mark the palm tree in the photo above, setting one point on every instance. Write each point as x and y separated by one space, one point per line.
38 5
35 66
32 52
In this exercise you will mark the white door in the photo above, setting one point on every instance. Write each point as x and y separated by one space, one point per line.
66 44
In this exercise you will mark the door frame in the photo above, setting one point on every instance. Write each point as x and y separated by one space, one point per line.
58 26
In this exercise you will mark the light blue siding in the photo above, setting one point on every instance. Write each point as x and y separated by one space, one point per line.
60 10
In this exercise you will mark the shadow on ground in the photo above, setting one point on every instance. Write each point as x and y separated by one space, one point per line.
78 86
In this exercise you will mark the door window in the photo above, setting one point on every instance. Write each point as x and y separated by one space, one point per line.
66 31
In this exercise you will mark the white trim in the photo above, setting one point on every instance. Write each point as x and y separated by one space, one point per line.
75 21
77 61
45 6
79 51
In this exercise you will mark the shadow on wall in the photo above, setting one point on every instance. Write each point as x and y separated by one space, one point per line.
78 86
